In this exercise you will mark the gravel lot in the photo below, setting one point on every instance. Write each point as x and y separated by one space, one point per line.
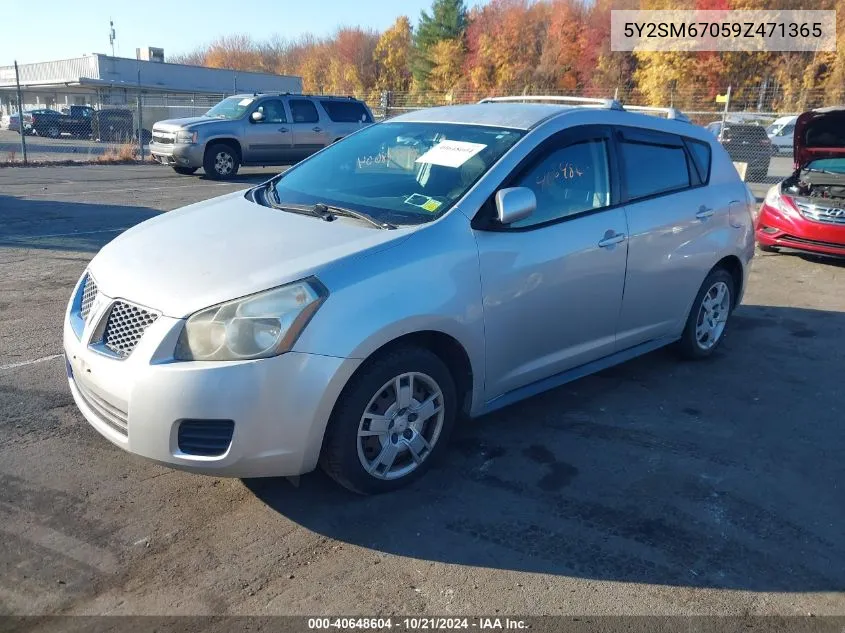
657 487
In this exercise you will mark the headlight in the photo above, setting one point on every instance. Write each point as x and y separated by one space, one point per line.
261 325
779 201
186 136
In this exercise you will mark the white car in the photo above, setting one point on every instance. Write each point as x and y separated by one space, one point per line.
780 133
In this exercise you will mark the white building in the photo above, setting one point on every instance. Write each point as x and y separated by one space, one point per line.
102 80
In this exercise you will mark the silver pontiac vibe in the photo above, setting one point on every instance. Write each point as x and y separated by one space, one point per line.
442 264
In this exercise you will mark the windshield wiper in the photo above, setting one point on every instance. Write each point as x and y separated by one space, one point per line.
328 211
323 211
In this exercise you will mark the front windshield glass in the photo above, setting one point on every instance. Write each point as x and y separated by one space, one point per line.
231 108
836 165
400 173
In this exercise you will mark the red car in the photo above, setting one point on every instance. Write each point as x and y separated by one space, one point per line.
806 212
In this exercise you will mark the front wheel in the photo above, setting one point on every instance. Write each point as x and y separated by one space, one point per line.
391 422
708 318
185 171
221 161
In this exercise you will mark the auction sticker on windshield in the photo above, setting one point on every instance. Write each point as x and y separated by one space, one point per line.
451 153
245 102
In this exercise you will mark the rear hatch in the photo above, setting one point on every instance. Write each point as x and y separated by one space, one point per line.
819 134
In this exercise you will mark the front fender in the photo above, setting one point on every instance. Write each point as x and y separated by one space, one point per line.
429 282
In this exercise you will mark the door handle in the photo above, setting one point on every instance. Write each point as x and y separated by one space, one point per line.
611 238
283 129
317 129
704 213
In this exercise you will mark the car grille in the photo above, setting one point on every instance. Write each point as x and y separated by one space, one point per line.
825 215
111 415
89 293
803 240
125 326
163 138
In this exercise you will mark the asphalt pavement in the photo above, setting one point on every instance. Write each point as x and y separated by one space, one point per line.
656 487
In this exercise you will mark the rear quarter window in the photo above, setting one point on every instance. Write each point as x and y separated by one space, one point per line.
701 157
346 111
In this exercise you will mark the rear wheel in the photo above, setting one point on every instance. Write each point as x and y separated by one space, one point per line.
185 171
708 318
391 422
221 161
53 131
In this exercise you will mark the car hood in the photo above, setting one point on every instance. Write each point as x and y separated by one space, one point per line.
213 251
171 125
819 134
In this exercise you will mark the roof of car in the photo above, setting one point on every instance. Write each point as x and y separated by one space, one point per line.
520 116
507 113
251 95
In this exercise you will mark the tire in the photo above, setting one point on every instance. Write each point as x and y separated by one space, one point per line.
185 171
53 131
221 161
692 346
345 453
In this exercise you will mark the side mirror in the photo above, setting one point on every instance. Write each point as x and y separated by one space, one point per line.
257 116
515 203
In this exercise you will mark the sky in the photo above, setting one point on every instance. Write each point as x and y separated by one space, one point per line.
70 29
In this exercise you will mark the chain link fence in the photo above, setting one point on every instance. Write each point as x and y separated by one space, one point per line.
95 128
753 122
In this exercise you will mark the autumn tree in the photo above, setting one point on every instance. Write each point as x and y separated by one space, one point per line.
238 52
393 57
448 21
447 58
504 44
560 66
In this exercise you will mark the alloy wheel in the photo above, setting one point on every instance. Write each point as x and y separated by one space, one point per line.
224 163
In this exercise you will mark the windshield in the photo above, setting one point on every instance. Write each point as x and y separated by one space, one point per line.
835 165
231 108
399 173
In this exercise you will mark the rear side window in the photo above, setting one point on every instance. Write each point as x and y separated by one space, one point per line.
700 152
303 111
346 111
653 169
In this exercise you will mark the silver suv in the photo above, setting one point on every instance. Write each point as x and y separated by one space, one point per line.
257 129
442 264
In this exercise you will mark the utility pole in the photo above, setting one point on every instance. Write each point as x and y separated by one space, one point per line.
20 113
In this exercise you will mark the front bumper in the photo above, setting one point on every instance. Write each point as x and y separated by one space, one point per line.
280 406
791 230
179 155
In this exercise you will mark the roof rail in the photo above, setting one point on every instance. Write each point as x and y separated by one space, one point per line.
671 113
608 104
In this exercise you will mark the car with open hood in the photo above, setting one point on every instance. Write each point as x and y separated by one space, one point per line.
806 212
439 265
